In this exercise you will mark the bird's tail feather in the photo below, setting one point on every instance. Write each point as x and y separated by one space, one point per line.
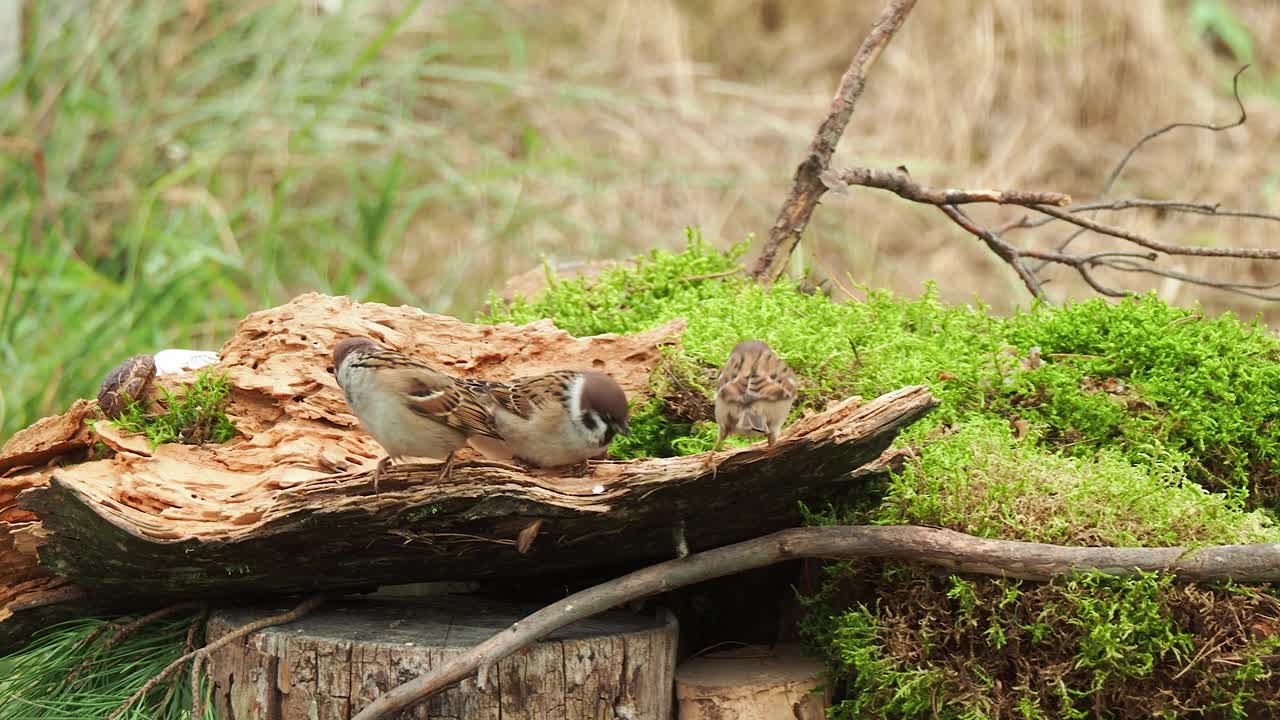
755 421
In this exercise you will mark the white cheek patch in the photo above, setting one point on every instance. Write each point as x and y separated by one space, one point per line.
575 397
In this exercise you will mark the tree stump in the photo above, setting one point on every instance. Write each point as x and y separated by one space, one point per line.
335 661
752 683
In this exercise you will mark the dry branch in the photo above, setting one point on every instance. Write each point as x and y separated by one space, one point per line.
1002 249
1124 161
808 187
947 548
1068 216
813 178
1175 206
899 182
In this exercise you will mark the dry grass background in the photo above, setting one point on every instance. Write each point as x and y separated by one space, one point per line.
972 93
207 158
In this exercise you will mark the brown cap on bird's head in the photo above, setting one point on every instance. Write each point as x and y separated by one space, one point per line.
604 395
751 346
344 348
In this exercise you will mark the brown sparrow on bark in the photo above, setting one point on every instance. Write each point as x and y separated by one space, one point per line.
754 393
561 418
409 407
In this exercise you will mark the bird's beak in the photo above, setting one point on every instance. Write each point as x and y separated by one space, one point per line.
623 429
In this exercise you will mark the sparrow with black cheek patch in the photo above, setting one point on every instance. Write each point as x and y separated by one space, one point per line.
561 418
754 393
409 407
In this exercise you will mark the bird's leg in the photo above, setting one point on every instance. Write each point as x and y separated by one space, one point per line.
719 440
711 454
447 471
578 469
379 471
772 438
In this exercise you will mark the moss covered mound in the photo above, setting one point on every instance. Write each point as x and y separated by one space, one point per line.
1155 384
1127 423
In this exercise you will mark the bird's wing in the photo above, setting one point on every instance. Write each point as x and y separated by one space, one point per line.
523 396
753 377
459 404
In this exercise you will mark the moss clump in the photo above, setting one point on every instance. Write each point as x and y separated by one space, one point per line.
1084 647
978 479
1128 423
1147 377
195 416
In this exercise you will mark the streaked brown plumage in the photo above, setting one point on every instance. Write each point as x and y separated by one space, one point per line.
561 418
754 393
410 407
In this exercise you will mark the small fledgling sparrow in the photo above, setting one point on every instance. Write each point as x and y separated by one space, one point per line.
409 407
561 418
754 393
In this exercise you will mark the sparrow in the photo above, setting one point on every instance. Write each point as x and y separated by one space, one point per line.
564 417
408 406
753 393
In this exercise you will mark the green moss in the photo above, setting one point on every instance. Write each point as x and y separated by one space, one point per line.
881 686
1129 423
1123 626
980 480
1209 388
953 647
1159 385
196 415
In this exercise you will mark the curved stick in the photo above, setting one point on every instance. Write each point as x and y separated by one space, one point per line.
947 548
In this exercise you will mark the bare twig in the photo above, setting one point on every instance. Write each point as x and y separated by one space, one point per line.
1084 263
1124 161
197 697
1156 244
899 182
1176 206
1004 250
807 186
1254 290
946 548
297 613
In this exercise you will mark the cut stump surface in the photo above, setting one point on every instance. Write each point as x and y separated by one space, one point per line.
752 683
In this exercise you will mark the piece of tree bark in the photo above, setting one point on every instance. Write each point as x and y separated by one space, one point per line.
335 661
752 682
287 506
332 533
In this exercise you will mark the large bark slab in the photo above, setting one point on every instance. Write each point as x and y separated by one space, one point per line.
287 505
331 532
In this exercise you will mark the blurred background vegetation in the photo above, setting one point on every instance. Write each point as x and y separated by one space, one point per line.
167 167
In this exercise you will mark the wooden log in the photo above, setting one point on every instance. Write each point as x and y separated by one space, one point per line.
752 682
287 506
332 663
